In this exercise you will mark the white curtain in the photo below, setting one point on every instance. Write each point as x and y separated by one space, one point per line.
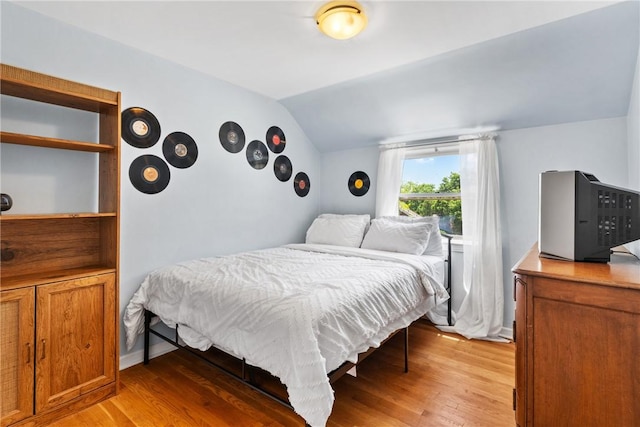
481 312
389 181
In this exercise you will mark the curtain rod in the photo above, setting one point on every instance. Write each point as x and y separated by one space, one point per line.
435 141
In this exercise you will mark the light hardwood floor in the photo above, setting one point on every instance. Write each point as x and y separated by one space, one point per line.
451 382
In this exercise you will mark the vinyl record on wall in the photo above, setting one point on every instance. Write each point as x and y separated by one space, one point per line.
275 139
282 168
301 184
358 183
6 202
257 154
149 174
231 137
140 128
180 150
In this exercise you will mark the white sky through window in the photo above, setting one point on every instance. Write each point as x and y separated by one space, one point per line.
429 170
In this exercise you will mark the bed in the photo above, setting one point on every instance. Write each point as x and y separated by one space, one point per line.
302 311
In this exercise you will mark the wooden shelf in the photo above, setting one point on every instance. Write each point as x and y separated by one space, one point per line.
53 90
22 217
43 277
61 269
42 141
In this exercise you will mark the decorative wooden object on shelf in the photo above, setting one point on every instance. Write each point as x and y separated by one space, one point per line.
577 333
61 269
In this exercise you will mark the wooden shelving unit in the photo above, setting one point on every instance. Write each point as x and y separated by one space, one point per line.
62 268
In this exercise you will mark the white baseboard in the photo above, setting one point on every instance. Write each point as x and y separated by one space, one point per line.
506 333
136 357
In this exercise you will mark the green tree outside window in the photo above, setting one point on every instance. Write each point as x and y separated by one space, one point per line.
445 202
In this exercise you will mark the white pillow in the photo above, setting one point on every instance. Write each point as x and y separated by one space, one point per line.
434 245
394 236
338 230
362 217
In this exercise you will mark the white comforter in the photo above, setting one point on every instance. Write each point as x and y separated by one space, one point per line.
297 311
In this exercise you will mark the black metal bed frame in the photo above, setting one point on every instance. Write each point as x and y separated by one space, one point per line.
247 373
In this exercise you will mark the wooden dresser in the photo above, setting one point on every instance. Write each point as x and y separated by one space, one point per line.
577 333
59 271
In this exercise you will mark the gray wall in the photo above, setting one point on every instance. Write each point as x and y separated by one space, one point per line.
218 206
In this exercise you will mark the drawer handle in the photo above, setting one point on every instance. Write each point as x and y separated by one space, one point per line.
28 353
44 349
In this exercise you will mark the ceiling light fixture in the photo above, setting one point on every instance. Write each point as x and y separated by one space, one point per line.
341 19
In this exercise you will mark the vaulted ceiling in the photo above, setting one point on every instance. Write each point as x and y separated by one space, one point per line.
420 69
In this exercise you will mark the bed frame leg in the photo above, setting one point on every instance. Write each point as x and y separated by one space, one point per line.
449 237
147 325
248 374
406 350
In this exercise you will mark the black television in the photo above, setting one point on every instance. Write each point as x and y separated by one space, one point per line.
582 219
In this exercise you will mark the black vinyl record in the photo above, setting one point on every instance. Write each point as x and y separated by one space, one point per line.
140 128
5 202
257 154
282 168
275 139
301 184
359 183
231 137
149 174
180 150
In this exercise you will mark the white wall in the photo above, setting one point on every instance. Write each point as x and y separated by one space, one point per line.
336 168
219 205
633 136
598 147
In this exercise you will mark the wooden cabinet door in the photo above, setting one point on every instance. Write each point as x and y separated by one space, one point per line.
585 357
16 354
75 338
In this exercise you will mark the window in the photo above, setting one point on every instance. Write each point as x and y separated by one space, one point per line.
431 185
